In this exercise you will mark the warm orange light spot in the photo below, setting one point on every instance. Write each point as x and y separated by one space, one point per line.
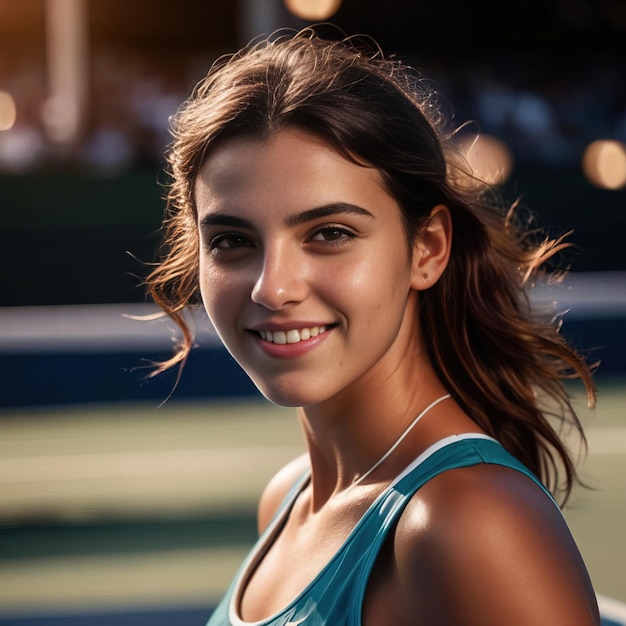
490 159
313 9
604 164
8 111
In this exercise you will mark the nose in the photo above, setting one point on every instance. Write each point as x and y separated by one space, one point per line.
281 280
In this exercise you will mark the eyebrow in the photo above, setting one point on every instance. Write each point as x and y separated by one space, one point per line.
336 208
327 210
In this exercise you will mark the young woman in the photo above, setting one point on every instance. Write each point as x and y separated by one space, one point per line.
356 270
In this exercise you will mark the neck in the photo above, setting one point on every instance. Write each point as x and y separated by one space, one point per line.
347 436
398 441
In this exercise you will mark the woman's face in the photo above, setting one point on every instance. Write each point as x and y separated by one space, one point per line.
305 269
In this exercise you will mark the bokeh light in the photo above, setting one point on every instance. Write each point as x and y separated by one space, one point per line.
8 111
490 158
313 9
604 164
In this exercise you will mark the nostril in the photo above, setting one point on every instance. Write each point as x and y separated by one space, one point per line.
277 289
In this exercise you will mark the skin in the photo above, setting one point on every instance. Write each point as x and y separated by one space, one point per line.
316 242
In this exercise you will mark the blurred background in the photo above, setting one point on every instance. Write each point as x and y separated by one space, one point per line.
118 509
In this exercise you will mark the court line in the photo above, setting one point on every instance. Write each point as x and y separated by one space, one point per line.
111 327
612 609
152 463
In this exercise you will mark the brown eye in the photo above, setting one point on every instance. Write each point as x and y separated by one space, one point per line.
227 241
332 234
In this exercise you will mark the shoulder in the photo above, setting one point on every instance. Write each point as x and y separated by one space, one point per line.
278 487
489 545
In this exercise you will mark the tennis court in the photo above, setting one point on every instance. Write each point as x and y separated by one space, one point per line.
116 509
137 513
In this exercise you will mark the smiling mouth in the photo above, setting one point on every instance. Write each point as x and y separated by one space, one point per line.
295 335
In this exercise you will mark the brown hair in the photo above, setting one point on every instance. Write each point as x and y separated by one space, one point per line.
503 364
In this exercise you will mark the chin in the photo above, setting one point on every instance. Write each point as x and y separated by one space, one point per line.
286 399
287 395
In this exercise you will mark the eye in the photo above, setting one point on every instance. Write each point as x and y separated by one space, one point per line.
229 241
332 235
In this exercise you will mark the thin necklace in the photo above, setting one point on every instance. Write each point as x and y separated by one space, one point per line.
398 441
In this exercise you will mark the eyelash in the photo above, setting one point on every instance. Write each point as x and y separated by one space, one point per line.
339 236
214 242
344 235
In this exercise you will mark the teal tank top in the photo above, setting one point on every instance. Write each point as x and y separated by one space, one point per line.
335 596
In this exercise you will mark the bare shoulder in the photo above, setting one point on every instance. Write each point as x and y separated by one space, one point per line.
486 545
278 487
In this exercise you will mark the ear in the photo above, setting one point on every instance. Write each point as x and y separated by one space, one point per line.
431 249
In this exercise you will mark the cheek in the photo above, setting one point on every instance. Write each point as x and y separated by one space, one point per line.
207 286
369 290
379 278
218 292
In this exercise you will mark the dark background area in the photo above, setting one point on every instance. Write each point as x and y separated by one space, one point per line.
79 226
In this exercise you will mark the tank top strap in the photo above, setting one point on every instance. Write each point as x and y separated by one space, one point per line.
455 452
347 574
336 594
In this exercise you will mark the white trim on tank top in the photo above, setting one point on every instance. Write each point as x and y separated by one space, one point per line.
246 572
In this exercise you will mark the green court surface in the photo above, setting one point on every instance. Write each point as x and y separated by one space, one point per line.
121 506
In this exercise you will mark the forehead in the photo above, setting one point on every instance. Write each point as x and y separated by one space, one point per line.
291 166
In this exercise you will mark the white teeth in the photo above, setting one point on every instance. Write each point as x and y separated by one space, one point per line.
279 337
291 336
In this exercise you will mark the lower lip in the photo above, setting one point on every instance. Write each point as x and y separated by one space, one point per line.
290 350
